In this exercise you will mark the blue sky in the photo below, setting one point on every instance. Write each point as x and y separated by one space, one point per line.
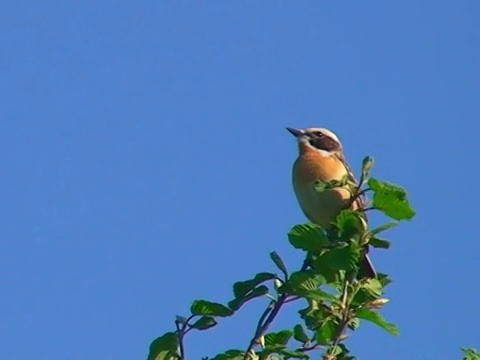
145 163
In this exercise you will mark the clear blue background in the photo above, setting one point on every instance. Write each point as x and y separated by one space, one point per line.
144 163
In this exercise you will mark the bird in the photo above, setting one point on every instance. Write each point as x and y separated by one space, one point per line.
321 158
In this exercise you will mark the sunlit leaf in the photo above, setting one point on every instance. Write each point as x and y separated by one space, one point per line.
384 227
164 348
322 186
376 318
345 258
235 304
269 350
470 354
318 295
294 354
368 291
342 353
373 287
384 279
308 237
204 307
349 223
321 265
301 282
278 338
232 354
326 332
379 243
391 199
241 288
315 314
204 323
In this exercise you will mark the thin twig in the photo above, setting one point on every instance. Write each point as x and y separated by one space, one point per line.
264 316
180 341
357 195
292 299
310 348
363 192
182 331
262 328
345 318
270 314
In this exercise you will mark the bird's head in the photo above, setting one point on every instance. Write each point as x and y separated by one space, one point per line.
319 139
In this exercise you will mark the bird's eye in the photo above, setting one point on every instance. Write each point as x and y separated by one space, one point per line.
318 133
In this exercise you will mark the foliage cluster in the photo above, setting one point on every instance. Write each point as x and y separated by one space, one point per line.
328 282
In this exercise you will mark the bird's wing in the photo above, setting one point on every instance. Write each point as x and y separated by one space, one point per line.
366 270
361 200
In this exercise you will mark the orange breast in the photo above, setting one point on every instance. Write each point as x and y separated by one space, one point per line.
313 165
319 208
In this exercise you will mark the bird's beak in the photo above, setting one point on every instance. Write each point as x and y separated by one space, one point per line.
295 132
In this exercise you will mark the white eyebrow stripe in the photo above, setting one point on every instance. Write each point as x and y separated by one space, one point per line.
326 132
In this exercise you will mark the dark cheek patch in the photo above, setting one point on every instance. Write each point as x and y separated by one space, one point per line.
325 143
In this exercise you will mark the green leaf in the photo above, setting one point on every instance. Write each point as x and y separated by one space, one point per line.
322 267
268 350
318 295
204 323
304 281
295 354
321 186
279 262
391 199
384 227
470 354
242 288
204 307
232 354
326 332
379 243
377 319
299 334
314 314
361 298
341 353
308 237
367 165
349 223
235 304
384 279
373 287
164 347
278 338
345 258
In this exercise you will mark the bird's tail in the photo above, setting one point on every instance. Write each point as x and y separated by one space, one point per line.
366 269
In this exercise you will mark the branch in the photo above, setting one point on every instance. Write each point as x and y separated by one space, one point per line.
182 331
271 313
345 318
263 327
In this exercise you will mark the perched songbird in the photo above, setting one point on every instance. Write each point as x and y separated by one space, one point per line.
321 158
